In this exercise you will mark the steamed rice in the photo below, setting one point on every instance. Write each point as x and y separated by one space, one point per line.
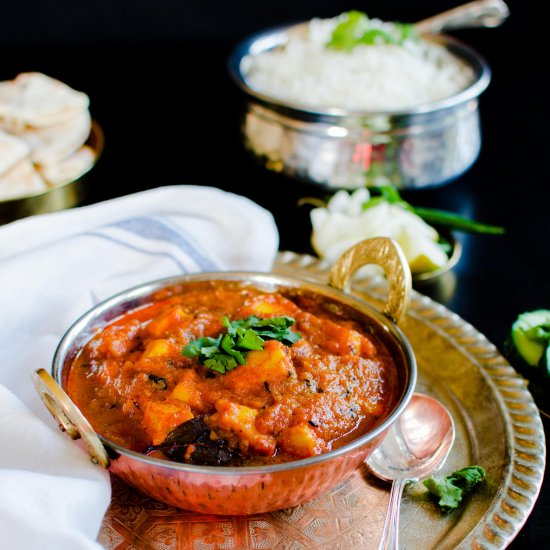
381 77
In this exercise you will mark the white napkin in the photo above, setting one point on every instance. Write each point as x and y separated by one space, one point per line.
52 269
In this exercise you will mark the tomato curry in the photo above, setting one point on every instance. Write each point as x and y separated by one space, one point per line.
138 388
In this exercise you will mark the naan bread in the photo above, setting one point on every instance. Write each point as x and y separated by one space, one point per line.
44 125
8 96
12 151
22 180
68 169
9 117
54 143
44 101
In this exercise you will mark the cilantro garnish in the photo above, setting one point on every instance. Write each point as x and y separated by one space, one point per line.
274 328
451 488
356 28
228 350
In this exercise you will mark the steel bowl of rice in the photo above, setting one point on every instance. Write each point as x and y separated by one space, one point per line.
352 101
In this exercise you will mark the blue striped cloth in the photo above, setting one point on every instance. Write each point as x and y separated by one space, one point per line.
52 269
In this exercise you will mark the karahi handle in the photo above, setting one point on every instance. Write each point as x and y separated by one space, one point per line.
68 416
387 254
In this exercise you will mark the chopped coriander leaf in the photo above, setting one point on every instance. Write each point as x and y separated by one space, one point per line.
220 363
468 477
228 345
229 350
251 340
205 346
408 31
356 28
376 36
449 494
276 328
450 489
349 31
273 328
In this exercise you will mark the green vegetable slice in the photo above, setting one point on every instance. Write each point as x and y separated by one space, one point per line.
530 338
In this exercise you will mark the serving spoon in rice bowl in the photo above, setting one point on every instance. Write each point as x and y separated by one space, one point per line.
414 448
480 13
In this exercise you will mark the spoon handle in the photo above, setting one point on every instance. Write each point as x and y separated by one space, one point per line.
390 534
480 13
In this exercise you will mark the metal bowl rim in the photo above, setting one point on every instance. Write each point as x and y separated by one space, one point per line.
249 278
466 53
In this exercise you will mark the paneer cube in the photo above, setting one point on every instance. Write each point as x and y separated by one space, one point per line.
188 391
159 419
116 340
108 372
270 365
241 421
270 305
272 361
168 322
159 349
332 337
301 440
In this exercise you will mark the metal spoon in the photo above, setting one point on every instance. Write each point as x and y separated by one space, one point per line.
414 448
480 13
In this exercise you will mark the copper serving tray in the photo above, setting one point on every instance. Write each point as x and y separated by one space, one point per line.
498 426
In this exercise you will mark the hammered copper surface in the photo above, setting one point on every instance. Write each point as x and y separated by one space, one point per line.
239 493
498 427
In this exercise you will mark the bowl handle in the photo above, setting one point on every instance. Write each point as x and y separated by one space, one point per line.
68 416
387 254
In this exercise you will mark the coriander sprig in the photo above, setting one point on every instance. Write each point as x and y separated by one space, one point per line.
229 349
450 489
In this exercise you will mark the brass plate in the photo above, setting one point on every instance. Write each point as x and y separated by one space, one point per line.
498 427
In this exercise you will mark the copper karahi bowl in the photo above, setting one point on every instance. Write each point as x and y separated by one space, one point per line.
244 490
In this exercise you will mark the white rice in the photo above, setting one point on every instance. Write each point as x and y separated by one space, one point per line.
383 77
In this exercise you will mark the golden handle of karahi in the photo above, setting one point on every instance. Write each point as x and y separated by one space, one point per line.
68 416
387 254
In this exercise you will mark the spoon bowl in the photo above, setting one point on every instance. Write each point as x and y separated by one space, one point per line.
414 448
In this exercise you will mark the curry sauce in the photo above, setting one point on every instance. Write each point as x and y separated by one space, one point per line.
287 401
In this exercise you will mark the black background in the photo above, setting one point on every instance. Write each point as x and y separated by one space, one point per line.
156 75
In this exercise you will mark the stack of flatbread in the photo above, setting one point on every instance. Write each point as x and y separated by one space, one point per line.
43 127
